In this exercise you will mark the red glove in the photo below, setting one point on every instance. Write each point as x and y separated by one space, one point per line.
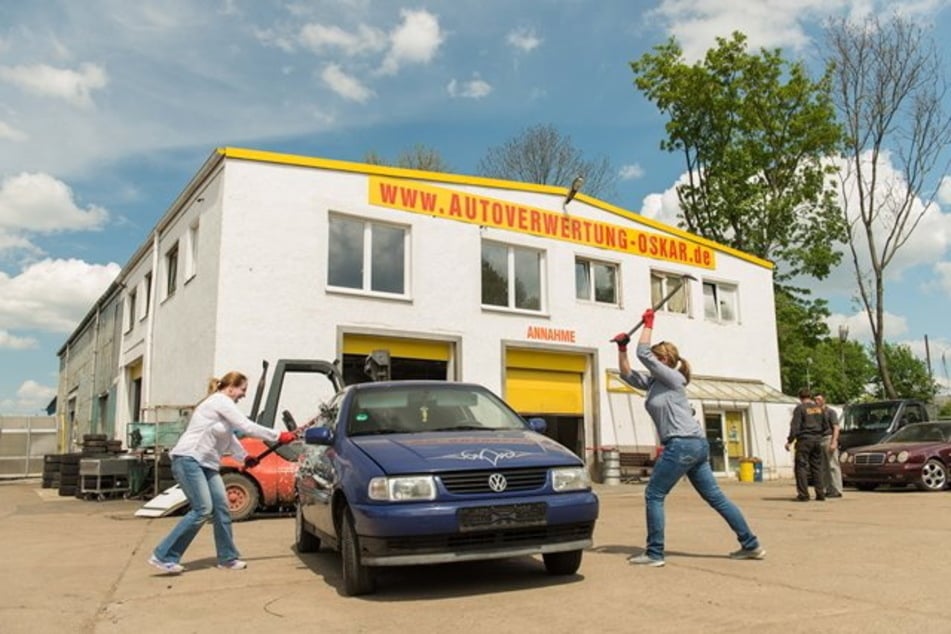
250 462
648 318
622 339
286 437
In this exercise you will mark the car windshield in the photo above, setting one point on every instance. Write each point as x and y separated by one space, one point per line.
924 432
869 416
415 408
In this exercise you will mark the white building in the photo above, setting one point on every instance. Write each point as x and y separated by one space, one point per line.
267 256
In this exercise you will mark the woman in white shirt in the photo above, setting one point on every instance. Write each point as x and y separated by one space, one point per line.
196 459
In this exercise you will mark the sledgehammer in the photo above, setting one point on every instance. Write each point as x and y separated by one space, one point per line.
663 301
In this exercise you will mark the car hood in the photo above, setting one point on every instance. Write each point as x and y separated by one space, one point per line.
851 438
895 447
454 451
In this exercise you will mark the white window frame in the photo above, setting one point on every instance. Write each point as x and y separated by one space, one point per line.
131 309
191 252
171 273
591 263
147 289
668 282
510 262
721 291
367 281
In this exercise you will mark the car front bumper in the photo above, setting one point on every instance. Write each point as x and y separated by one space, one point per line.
428 533
893 473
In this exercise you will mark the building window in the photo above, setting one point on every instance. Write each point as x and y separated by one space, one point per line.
130 309
191 262
147 288
719 302
171 271
596 281
663 284
368 256
511 276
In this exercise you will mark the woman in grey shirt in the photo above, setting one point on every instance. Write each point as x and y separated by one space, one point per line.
686 451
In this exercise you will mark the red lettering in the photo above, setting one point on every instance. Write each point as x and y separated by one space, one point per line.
408 197
682 251
622 239
551 224
455 209
535 223
388 193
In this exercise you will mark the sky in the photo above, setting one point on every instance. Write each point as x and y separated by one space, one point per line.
108 107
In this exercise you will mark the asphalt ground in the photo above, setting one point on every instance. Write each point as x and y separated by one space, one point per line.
868 562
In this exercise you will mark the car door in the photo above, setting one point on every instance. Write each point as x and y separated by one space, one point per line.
316 476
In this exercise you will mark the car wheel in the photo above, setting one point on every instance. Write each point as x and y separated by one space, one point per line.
566 563
865 486
306 542
242 496
357 578
934 476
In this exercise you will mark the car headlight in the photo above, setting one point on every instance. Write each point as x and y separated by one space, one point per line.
902 456
891 457
843 457
570 479
402 489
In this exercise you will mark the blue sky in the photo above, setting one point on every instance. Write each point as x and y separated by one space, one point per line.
107 108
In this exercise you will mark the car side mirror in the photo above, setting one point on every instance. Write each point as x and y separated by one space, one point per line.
537 425
318 436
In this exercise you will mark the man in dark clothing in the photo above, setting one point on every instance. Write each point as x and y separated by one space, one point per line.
807 427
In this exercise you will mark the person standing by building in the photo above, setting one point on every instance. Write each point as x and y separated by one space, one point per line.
196 459
807 427
686 450
830 447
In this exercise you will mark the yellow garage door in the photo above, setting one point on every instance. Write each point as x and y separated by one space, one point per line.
540 382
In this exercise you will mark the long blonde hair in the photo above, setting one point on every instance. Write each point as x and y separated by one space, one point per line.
230 379
672 356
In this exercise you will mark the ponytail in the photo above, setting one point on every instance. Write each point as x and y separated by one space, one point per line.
684 368
213 386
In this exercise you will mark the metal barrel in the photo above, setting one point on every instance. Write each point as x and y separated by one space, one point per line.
612 466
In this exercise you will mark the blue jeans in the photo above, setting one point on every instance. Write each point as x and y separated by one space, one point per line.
690 457
206 495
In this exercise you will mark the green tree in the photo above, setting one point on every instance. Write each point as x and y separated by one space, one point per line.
419 157
890 89
909 375
754 131
541 154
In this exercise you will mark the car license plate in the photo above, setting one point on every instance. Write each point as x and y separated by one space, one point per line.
502 516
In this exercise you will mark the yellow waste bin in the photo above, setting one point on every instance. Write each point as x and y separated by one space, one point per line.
747 469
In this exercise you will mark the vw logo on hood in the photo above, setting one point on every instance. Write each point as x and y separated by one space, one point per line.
497 482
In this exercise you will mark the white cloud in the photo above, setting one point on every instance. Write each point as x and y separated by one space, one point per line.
40 203
631 172
73 86
10 133
320 38
475 88
944 191
414 41
13 342
860 330
52 295
345 85
524 39
31 398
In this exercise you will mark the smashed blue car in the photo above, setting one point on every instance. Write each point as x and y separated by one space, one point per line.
424 472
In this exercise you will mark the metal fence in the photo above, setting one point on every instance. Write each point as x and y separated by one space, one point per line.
24 440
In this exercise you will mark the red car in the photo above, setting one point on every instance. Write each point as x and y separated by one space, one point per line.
917 454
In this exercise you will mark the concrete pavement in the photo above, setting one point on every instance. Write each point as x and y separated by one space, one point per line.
869 562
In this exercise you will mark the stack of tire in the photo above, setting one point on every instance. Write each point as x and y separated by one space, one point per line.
100 446
69 473
51 470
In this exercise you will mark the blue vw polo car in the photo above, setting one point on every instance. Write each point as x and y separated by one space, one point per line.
421 472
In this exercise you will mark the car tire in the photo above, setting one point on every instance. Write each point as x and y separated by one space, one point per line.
865 486
305 542
566 563
357 578
934 476
242 496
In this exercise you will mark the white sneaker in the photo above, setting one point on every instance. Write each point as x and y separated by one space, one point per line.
166 567
234 564
644 560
